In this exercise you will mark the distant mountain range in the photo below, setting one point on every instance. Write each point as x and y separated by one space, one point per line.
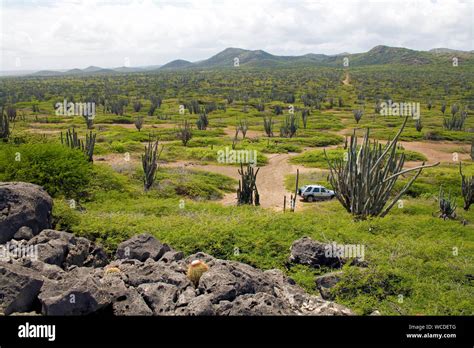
378 55
94 70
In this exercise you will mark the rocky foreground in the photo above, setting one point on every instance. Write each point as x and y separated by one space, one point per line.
48 272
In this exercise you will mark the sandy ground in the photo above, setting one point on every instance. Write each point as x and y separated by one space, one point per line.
434 151
347 80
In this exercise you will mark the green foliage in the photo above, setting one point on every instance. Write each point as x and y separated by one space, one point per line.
410 251
60 170
64 217
194 184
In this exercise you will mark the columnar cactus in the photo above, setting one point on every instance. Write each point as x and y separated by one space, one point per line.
289 127
467 188
4 125
304 117
202 121
268 126
150 163
243 127
364 179
447 205
357 115
247 192
139 123
72 140
185 132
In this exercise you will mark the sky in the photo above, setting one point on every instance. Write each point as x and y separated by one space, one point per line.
36 35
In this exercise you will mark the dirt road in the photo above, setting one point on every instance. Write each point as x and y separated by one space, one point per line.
270 179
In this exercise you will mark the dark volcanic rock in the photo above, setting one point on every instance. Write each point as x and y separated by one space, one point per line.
71 276
160 297
326 282
19 287
258 304
131 303
23 233
79 293
23 204
141 247
312 253
65 250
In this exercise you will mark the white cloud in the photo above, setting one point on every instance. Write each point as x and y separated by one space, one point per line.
66 34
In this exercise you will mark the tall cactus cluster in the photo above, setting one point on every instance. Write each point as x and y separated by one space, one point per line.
447 205
268 126
472 150
357 115
418 125
467 188
202 121
247 192
150 163
185 132
363 181
289 127
304 117
4 125
457 120
72 140
243 127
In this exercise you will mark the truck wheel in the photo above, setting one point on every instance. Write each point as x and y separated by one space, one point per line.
309 199
332 196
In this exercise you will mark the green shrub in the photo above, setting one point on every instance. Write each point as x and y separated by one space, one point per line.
58 169
64 217
118 147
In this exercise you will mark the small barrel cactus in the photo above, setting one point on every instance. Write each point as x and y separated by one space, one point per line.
196 270
112 270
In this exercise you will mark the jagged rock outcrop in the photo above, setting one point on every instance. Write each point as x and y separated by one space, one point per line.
312 253
23 204
309 252
141 247
59 248
60 284
326 282
19 286
51 272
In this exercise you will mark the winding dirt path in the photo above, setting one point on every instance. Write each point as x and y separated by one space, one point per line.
347 80
270 179
434 151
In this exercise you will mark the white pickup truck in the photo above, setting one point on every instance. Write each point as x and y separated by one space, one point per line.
311 193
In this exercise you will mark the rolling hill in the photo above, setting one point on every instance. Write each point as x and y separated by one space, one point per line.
379 55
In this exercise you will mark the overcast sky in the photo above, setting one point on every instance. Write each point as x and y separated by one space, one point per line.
72 33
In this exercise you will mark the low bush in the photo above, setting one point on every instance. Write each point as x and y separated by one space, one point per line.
58 169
